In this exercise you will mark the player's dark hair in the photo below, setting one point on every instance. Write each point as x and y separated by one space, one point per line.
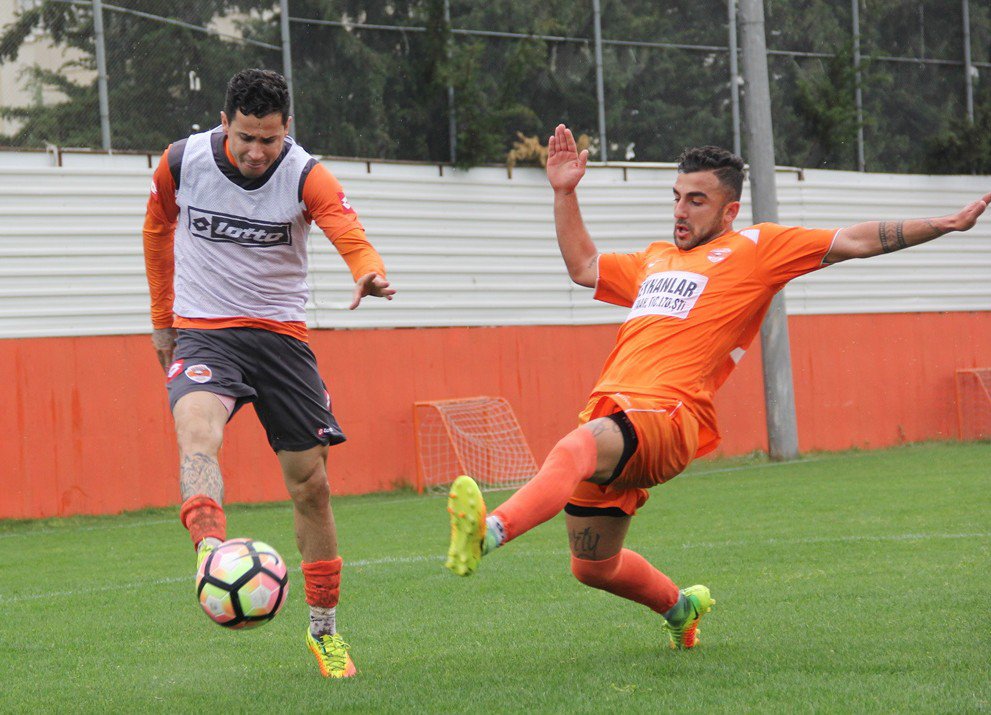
257 93
726 165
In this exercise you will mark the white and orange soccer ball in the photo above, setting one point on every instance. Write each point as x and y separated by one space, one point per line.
242 583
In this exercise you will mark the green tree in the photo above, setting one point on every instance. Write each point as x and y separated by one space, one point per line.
150 67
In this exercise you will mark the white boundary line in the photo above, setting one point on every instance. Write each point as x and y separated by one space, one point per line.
392 560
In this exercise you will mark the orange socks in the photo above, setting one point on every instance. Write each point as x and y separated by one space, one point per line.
203 517
322 582
628 575
571 461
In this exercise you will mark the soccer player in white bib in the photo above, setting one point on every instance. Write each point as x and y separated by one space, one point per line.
225 238
695 305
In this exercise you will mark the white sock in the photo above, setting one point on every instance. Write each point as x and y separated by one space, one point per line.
495 534
323 621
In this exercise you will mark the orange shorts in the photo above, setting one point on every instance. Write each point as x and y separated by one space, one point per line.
668 437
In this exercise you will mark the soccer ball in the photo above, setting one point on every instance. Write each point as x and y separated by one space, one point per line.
242 583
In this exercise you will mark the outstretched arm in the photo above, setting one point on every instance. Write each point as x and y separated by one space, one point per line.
565 168
873 238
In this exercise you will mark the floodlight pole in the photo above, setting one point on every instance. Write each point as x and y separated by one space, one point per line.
287 62
779 394
101 73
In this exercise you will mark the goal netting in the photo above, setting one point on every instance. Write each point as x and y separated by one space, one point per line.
974 403
477 436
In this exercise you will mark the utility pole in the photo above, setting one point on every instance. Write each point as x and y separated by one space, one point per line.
779 391
734 76
600 92
858 88
101 73
287 62
968 63
452 117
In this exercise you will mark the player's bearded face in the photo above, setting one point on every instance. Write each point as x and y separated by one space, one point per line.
255 142
701 209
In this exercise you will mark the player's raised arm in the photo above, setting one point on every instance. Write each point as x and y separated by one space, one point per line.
565 168
873 238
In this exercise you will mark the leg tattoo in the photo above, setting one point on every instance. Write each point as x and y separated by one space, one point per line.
199 473
585 543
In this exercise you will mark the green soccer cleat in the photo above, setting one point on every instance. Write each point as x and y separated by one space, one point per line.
467 510
332 655
686 634
206 546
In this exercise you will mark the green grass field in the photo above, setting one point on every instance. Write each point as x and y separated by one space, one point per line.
844 583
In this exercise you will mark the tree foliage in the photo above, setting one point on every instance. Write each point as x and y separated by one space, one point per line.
365 91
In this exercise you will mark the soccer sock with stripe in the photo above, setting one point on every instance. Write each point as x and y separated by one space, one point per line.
572 460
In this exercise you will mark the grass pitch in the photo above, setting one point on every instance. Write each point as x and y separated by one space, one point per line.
844 583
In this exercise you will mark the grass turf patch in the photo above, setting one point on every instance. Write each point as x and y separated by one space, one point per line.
851 582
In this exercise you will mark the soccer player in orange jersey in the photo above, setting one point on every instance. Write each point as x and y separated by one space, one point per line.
225 239
695 306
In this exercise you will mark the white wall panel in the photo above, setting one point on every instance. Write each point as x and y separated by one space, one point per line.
463 248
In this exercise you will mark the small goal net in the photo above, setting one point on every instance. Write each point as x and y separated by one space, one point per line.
477 436
974 403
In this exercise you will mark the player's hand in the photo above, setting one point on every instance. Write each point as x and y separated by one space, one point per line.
164 341
371 284
966 217
565 166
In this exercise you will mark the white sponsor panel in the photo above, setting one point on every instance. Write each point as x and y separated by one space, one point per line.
668 293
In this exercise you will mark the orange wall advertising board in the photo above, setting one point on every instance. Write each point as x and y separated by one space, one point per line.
86 429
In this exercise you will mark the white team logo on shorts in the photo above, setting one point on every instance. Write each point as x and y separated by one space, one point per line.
199 373
174 369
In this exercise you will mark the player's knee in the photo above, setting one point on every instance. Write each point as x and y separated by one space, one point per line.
596 574
310 490
578 450
198 435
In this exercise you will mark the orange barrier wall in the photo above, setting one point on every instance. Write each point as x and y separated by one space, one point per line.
85 429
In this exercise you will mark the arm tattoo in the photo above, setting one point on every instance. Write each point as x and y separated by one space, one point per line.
936 233
199 473
900 234
882 232
585 543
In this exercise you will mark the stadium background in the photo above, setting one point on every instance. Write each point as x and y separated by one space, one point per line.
485 306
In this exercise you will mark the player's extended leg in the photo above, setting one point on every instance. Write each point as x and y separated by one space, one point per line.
316 535
590 452
599 560
199 424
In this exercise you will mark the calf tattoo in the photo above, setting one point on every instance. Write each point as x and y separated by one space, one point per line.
199 473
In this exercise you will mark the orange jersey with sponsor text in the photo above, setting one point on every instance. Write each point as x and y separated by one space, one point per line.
694 313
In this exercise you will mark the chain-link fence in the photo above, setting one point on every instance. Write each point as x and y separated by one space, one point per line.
461 81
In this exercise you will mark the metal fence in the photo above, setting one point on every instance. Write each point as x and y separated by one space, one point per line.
861 85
